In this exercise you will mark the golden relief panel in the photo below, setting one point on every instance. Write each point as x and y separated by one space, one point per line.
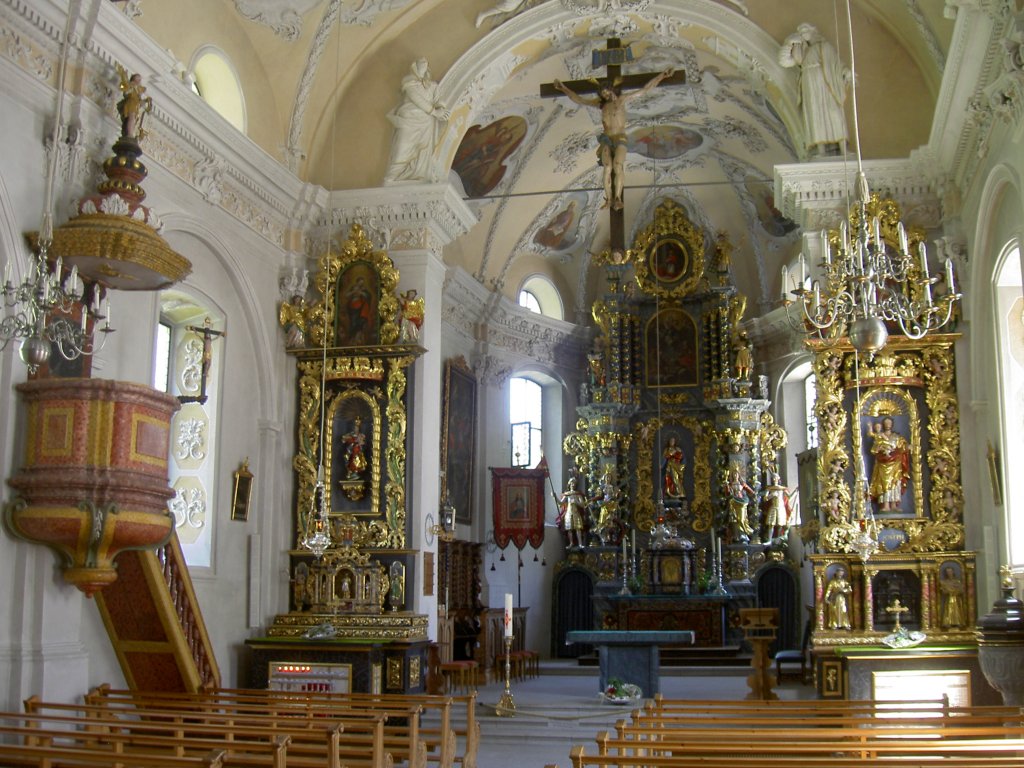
904 440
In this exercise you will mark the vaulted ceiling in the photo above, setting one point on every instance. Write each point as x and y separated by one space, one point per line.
319 78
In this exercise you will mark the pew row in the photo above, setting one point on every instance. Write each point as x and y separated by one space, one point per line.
440 737
356 741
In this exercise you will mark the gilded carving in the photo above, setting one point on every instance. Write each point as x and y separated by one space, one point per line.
673 229
395 674
645 434
889 387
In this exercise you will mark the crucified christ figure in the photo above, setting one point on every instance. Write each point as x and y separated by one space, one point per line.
612 141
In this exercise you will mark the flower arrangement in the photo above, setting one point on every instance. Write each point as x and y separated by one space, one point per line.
619 692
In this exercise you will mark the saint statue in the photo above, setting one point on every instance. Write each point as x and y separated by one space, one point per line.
672 467
891 471
417 122
411 316
133 106
739 495
355 455
573 517
951 591
608 509
822 90
837 601
611 142
776 515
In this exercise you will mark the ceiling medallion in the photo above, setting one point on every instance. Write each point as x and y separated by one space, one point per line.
585 7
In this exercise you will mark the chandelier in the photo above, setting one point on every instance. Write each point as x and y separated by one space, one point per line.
41 310
870 280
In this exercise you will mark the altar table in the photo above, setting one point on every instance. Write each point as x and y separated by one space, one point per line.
632 656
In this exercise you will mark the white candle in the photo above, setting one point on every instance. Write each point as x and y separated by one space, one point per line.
508 614
803 271
949 276
923 253
633 533
826 247
904 248
785 279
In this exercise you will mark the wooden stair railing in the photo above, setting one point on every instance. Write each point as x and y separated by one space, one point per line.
155 623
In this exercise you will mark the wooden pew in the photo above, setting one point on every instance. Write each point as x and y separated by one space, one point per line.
401 736
440 741
52 756
581 759
82 735
314 742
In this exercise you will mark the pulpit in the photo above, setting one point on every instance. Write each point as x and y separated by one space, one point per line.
631 656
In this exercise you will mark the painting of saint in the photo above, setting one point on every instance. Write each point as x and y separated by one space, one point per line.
669 261
480 158
671 349
357 321
763 200
562 230
664 142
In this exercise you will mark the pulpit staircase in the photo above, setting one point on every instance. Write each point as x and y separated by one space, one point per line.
155 624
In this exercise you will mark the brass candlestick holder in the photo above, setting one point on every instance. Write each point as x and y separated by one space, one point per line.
507 704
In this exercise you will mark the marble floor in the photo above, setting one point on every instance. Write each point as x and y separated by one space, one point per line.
562 708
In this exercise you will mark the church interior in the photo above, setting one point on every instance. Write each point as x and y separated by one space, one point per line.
395 347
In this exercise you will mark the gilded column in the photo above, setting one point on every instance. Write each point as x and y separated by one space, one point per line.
868 601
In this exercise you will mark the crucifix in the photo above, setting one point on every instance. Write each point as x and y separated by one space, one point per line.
208 334
611 101
897 609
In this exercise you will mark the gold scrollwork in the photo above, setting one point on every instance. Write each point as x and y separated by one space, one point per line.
671 225
936 524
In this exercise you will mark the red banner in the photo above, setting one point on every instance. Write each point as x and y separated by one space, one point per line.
519 505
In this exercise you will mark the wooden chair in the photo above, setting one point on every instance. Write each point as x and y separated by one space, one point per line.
793 657
461 674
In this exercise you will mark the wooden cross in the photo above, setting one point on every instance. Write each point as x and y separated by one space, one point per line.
896 608
612 58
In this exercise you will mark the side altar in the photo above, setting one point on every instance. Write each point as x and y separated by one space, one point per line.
349 622
674 507
894 587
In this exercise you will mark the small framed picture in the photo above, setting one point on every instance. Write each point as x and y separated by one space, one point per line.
242 493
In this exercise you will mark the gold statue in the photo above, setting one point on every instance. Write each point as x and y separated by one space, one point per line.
739 494
673 467
133 106
573 517
891 471
837 601
951 590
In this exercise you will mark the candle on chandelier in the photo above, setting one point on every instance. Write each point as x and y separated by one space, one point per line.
508 614
923 253
803 270
785 279
949 276
826 248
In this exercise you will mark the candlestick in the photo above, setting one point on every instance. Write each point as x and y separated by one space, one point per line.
507 703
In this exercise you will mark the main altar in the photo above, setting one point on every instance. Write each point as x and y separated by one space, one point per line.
674 508
349 627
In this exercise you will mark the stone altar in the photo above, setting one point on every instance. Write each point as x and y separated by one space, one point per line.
631 656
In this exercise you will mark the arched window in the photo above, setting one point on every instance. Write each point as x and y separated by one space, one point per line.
525 415
1010 338
181 357
538 294
217 83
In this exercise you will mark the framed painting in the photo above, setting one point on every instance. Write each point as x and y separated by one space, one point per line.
671 344
518 505
458 442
